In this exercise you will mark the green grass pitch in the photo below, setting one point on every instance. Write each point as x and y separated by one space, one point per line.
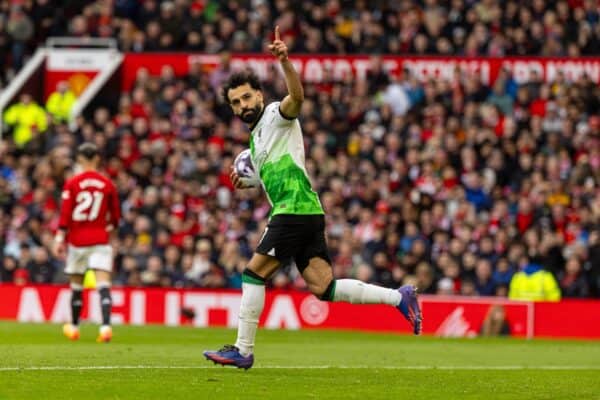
155 362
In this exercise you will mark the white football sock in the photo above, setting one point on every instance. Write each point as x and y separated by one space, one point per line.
253 301
357 292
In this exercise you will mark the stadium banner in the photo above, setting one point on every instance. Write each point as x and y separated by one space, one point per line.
76 66
444 316
316 68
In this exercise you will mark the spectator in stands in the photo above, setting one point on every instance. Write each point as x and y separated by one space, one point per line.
21 30
495 323
532 283
425 278
445 286
503 273
41 268
60 102
27 119
222 72
151 276
484 284
9 266
21 277
4 49
201 262
572 280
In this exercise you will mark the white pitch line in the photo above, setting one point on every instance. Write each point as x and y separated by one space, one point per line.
291 367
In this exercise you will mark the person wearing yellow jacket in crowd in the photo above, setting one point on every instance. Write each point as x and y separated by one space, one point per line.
61 102
532 283
27 118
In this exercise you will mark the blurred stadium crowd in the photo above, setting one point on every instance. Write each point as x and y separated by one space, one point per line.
458 27
451 185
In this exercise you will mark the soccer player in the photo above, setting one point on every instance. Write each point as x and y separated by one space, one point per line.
89 212
296 229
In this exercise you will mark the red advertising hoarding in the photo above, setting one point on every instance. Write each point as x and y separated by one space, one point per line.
313 68
444 316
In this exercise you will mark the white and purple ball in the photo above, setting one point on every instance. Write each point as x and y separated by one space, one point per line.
245 169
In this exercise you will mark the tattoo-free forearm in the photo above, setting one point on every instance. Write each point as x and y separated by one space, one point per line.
292 81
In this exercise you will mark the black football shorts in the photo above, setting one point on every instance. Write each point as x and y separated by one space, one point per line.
297 237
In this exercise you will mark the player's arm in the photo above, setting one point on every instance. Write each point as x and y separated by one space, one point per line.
115 209
291 104
59 246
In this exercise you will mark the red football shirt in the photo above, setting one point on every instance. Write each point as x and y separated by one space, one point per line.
90 208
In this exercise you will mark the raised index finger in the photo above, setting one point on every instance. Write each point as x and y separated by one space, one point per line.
277 32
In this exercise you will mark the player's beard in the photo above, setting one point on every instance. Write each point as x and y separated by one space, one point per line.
249 116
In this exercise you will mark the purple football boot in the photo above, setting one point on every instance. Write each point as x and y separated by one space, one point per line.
230 355
409 307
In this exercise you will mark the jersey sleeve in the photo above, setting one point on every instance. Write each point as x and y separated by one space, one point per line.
66 206
278 118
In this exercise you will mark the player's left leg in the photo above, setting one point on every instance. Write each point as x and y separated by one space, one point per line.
315 266
75 266
319 278
71 330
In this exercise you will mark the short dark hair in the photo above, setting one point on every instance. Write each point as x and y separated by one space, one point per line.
88 150
239 79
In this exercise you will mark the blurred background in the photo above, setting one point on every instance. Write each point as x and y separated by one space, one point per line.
455 145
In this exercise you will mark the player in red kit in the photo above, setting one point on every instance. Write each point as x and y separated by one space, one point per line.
89 212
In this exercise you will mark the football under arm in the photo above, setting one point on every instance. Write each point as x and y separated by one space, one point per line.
291 104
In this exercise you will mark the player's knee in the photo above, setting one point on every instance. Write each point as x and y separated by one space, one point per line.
323 290
316 288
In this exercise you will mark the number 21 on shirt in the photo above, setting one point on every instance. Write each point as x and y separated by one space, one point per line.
87 206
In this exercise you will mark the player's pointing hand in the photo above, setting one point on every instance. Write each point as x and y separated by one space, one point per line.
278 48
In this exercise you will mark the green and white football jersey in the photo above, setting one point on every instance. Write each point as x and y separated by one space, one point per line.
277 150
